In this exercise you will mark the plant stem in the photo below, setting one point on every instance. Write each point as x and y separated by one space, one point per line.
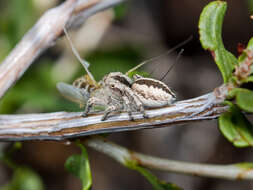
124 156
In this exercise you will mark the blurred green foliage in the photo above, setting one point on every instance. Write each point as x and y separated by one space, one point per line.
5 155
120 11
119 59
17 16
24 179
250 6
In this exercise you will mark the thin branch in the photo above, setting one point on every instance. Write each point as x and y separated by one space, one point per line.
77 20
63 125
43 35
124 156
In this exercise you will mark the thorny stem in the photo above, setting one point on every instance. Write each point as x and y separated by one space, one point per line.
125 156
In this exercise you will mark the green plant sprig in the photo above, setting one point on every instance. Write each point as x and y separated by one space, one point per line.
235 72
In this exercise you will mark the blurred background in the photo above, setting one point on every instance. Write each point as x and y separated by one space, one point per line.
117 40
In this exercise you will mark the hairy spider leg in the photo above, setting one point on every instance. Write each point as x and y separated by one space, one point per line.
92 101
111 108
135 100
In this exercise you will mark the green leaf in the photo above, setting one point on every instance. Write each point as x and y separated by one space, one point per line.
244 100
24 179
233 92
120 59
235 127
79 166
155 182
210 27
244 53
250 45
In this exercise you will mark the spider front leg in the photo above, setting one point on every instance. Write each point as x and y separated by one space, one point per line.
109 109
92 101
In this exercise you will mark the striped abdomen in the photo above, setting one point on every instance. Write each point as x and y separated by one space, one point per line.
153 93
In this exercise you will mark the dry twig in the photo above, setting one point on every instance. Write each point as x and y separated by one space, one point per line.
63 125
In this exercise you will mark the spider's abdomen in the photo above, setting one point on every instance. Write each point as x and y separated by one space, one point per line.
153 93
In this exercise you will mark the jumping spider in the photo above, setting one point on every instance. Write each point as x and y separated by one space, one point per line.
116 91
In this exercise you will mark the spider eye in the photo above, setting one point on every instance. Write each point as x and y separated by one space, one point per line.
112 86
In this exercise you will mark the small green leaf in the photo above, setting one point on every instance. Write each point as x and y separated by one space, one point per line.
244 53
244 100
250 45
210 27
24 179
155 182
79 166
235 127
